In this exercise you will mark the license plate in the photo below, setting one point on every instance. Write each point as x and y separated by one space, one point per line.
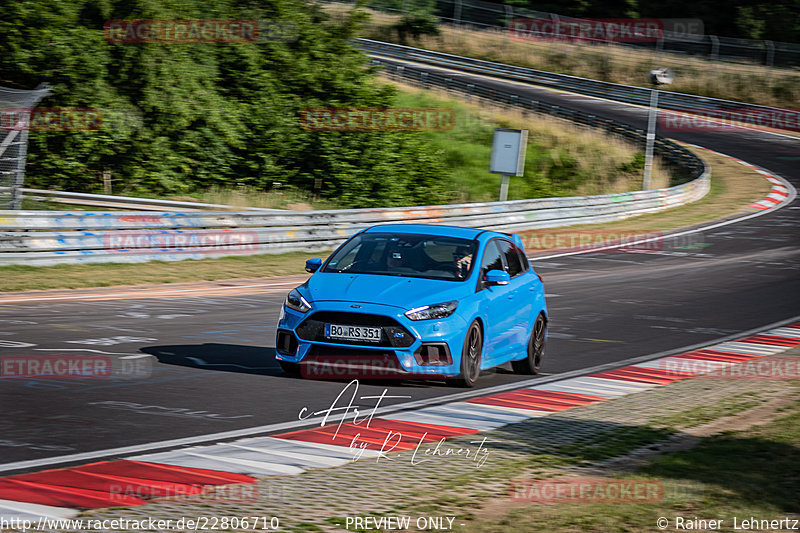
352 333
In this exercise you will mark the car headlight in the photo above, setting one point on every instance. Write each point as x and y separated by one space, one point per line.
295 300
428 312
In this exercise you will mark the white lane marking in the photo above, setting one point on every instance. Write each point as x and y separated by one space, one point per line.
310 459
194 459
789 199
623 384
588 383
450 420
268 468
463 414
491 412
685 365
449 402
527 413
583 390
790 333
749 348
149 295
32 511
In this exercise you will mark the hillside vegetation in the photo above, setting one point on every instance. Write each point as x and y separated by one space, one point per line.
186 119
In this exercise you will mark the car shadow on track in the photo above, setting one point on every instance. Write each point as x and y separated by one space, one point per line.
219 357
260 360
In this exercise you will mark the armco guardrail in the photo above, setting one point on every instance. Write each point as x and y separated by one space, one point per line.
477 14
700 105
144 236
58 237
126 202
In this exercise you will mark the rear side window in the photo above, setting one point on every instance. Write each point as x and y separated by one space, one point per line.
513 262
523 260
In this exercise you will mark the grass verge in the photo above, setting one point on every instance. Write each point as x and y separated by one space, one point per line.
744 474
733 186
747 467
561 159
28 278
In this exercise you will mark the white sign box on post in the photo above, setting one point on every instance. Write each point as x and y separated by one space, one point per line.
508 156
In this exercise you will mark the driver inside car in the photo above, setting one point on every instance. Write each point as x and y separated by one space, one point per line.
462 259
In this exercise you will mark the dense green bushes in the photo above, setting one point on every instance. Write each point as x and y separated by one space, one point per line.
199 115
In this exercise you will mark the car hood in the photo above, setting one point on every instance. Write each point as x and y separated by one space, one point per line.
402 292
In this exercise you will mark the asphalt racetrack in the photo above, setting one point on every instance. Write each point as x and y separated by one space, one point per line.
205 361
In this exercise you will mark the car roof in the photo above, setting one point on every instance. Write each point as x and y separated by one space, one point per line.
431 229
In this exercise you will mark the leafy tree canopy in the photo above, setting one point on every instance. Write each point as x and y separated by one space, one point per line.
180 117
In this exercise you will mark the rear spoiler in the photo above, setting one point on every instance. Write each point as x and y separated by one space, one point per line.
516 239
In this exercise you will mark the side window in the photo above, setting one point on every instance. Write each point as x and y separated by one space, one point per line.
513 263
492 260
523 260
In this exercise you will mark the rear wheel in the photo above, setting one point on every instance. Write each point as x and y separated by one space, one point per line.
533 363
471 357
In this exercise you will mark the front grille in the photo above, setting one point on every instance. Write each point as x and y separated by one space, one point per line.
332 351
331 362
392 333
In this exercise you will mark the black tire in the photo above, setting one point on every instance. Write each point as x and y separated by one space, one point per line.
533 363
470 357
290 369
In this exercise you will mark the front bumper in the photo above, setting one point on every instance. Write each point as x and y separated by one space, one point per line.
417 348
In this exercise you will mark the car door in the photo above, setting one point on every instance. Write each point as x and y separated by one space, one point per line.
520 295
496 302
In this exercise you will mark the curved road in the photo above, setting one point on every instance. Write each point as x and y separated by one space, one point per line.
206 359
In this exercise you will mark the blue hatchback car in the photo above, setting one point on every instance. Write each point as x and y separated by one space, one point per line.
419 301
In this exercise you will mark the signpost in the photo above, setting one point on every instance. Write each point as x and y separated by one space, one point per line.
662 76
508 156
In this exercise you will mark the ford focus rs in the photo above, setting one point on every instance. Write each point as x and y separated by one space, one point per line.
419 301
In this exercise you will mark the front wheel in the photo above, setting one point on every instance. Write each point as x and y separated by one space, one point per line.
471 357
533 363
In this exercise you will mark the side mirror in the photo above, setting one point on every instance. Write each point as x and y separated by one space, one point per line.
312 265
497 277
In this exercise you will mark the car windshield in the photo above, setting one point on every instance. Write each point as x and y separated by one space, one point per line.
392 254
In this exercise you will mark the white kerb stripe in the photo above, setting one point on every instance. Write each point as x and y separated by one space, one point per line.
33 511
